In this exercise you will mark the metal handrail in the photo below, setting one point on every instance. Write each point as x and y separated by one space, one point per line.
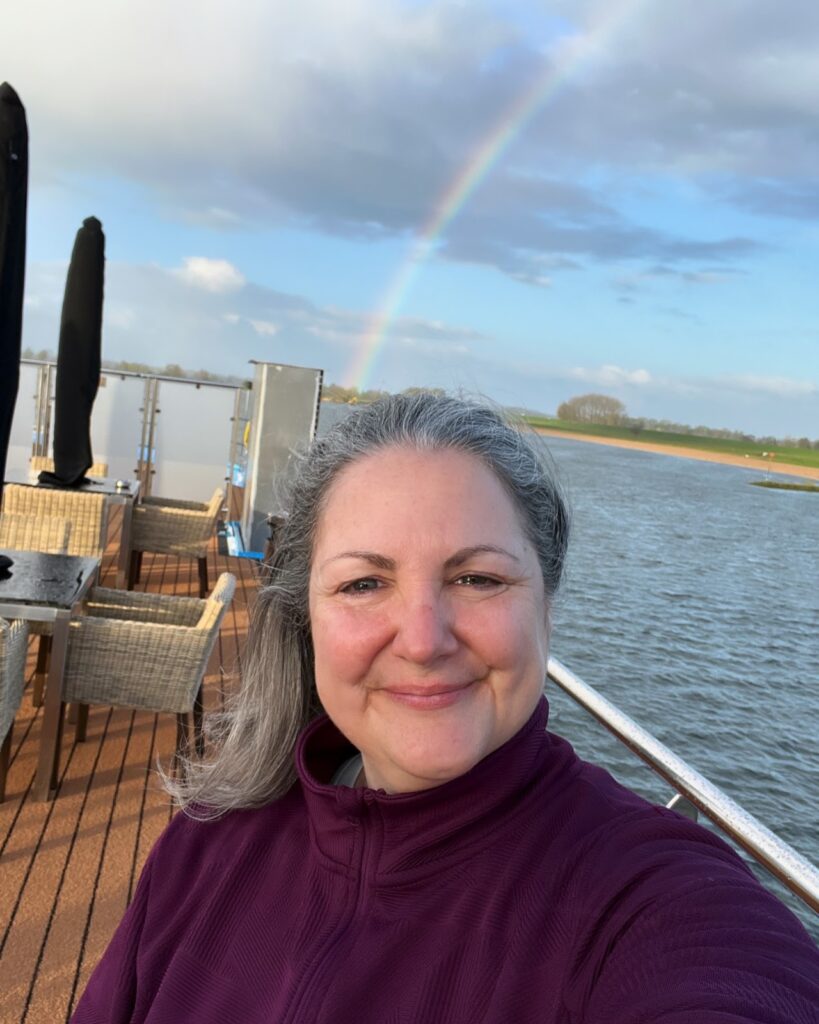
790 867
110 371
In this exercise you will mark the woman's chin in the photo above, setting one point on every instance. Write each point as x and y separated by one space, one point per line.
422 768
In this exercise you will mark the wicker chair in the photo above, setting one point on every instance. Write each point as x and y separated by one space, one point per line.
35 533
86 513
172 527
42 462
145 651
13 649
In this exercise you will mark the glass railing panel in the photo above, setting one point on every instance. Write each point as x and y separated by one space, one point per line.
22 424
116 424
192 439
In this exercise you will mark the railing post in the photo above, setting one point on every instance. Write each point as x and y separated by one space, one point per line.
145 458
41 435
237 425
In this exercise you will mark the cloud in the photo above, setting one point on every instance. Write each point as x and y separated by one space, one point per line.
349 327
523 245
791 199
435 349
153 315
264 327
538 280
710 276
729 92
413 328
629 284
123 317
778 387
679 314
617 378
211 275
610 376
354 119
214 217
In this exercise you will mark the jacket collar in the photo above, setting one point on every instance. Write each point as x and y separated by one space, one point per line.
416 830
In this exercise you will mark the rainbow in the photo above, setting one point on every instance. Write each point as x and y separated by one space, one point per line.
574 54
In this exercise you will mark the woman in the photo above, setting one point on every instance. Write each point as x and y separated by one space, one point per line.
424 850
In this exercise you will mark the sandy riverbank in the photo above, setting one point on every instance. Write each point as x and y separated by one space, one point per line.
762 465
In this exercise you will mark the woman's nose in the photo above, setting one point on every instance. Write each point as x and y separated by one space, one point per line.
423 630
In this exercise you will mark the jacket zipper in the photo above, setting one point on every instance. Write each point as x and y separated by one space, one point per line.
313 978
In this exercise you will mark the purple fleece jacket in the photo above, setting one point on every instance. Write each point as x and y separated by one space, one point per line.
532 890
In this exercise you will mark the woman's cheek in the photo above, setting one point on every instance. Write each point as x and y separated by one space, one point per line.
350 637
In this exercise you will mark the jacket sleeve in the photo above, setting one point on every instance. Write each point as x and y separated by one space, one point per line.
113 989
694 939
702 958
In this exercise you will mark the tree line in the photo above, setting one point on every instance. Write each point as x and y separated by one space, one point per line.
352 396
604 410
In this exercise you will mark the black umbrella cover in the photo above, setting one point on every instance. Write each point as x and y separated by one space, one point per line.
78 358
13 190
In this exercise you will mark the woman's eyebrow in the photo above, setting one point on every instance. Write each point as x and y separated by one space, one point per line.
477 549
453 562
376 560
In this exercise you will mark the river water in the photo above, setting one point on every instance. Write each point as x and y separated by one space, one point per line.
691 600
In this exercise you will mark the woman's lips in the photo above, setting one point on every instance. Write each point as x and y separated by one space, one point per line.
430 697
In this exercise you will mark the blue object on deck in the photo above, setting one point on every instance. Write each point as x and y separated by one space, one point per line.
229 538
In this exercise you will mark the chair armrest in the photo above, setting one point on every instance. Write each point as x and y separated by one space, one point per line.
132 606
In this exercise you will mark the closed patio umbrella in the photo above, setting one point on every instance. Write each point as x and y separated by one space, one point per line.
13 189
78 358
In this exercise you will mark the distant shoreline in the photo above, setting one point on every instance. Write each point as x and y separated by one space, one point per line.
747 462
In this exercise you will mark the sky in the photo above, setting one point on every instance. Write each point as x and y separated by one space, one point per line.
527 199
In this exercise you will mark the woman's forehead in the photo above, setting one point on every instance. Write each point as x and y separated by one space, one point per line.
400 495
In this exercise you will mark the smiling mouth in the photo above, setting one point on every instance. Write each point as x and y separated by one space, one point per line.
430 697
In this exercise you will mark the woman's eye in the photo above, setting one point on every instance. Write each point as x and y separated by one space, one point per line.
476 579
361 586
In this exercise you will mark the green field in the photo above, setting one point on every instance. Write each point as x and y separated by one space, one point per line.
794 456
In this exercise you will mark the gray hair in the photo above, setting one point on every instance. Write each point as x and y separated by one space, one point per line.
256 736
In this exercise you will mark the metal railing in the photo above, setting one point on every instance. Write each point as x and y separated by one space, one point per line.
132 430
790 867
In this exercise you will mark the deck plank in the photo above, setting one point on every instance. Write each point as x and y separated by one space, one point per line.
68 868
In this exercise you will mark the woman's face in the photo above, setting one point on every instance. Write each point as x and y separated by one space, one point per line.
428 615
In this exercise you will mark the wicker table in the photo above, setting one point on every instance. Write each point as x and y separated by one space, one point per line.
48 588
117 492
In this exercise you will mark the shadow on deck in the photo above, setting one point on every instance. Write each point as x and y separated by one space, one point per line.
68 867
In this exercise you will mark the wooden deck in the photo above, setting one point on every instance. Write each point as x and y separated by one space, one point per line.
68 868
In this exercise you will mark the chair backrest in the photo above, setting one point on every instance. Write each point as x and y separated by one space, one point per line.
35 533
84 511
43 462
